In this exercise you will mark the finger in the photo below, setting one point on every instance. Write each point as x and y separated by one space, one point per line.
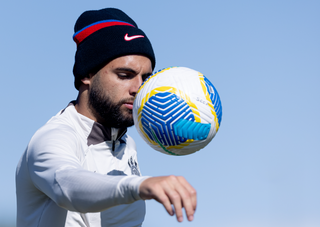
192 191
188 207
175 200
180 197
189 198
169 187
162 198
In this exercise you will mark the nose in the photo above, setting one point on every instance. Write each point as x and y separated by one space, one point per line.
136 83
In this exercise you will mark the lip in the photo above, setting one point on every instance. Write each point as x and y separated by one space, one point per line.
129 105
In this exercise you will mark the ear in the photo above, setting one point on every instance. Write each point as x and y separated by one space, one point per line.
86 80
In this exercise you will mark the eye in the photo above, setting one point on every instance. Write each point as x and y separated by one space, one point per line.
122 74
125 75
146 76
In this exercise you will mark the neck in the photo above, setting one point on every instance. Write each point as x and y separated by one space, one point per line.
82 104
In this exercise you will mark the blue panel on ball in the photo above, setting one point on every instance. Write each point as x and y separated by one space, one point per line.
215 99
191 129
161 112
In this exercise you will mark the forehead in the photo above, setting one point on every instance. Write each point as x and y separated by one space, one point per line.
135 62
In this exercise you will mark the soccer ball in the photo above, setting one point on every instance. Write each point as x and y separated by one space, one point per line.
177 111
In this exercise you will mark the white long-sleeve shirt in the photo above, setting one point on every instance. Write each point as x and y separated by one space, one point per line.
75 172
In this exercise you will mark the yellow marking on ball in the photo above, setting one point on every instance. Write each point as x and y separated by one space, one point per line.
207 95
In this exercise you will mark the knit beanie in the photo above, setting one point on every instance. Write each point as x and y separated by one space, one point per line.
103 35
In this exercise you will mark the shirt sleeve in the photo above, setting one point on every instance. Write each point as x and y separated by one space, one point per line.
56 171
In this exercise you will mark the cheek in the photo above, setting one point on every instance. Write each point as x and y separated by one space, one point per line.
116 92
115 89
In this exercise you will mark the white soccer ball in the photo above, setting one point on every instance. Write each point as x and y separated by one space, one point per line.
177 111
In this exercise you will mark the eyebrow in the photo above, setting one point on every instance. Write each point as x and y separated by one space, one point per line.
132 71
126 69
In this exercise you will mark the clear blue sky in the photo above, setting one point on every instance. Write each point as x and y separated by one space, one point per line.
262 169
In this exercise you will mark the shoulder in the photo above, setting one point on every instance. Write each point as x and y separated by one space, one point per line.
63 128
64 135
62 132
53 135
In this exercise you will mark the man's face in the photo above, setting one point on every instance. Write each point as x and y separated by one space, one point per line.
113 88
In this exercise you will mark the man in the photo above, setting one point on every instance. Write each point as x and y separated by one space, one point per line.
80 168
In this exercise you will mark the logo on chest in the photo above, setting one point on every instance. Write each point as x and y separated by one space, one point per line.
134 166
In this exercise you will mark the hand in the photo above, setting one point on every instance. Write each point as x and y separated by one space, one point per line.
169 190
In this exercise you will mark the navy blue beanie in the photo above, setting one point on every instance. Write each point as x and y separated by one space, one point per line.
103 35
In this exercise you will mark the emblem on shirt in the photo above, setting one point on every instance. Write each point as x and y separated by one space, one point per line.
134 166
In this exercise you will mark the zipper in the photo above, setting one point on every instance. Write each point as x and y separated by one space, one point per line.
115 137
114 133
84 219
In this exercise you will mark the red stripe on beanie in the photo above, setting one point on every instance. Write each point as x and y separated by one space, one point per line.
85 32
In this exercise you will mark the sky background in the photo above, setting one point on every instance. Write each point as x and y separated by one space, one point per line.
262 168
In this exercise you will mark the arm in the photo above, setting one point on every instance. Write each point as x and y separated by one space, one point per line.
55 170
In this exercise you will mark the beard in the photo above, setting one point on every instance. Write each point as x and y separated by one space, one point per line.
106 111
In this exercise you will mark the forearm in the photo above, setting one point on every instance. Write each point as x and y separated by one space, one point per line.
84 191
